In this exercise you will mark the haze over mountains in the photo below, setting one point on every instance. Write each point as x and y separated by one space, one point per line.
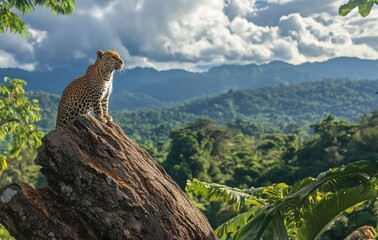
149 88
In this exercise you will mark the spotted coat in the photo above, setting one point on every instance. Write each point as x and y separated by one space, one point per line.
90 92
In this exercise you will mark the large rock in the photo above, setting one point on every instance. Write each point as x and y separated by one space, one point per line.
101 185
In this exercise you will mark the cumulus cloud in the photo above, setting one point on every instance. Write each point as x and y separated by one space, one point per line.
234 8
7 60
192 34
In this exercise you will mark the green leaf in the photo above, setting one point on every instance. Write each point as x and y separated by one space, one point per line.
213 191
9 21
268 224
17 115
232 225
276 191
3 163
319 215
345 181
365 8
350 175
345 9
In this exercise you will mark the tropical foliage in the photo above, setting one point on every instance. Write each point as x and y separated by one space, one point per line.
364 7
18 134
9 20
302 211
17 117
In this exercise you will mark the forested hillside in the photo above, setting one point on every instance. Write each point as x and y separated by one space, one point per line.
282 108
271 109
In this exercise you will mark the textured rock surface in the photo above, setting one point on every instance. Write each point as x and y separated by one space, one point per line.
39 214
101 186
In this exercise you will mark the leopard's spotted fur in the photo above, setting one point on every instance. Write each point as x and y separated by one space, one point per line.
91 91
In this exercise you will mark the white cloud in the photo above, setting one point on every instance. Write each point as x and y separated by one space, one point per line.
318 42
19 52
194 34
100 12
281 2
36 36
234 8
7 60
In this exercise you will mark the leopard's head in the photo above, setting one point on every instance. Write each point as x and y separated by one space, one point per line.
108 61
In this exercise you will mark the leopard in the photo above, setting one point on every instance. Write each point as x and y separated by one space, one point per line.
90 92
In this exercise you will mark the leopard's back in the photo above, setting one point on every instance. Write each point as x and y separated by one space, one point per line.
74 101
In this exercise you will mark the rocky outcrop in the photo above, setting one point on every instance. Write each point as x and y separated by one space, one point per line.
362 233
101 185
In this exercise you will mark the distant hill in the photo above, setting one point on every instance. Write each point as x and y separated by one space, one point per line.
347 68
279 108
149 88
296 104
270 109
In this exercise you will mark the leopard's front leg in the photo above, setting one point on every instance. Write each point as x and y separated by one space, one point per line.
105 107
99 111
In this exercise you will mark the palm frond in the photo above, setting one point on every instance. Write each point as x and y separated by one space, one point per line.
213 191
267 224
310 205
318 216
339 178
225 230
349 182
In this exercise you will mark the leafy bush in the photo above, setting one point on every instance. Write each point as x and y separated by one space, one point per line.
302 211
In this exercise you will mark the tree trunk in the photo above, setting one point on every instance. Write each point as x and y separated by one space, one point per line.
101 186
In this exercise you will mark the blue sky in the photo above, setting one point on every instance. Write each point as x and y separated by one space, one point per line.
192 34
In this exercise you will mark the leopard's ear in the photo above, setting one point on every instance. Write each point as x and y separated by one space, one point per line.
99 54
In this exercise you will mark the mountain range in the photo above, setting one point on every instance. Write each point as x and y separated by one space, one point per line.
269 109
148 88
